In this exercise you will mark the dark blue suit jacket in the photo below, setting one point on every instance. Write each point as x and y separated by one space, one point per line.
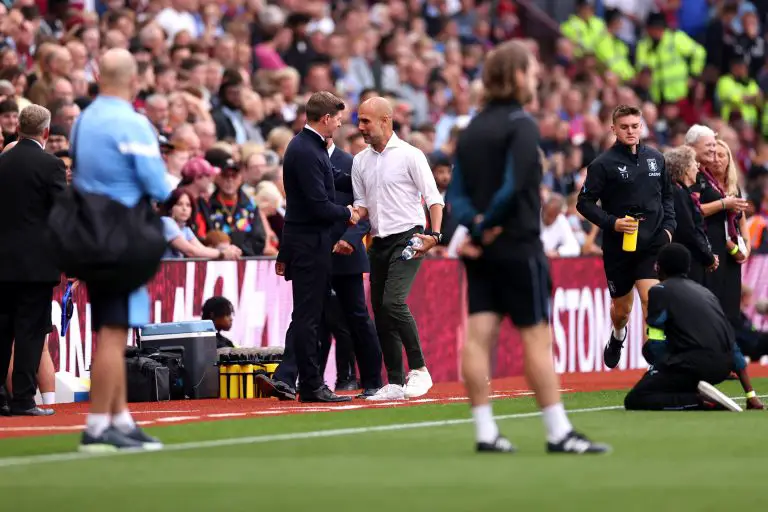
357 262
311 184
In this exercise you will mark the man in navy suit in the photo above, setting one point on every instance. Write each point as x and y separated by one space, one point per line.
305 252
353 329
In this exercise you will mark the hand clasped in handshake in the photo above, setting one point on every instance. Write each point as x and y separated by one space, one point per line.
355 214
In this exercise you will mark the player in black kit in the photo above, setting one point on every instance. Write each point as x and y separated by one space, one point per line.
495 193
631 182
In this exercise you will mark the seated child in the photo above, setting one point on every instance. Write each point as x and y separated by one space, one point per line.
219 310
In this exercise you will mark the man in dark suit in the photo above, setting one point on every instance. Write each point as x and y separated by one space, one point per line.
305 252
346 313
30 180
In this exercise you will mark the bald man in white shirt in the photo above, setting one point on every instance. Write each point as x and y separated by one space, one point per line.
389 179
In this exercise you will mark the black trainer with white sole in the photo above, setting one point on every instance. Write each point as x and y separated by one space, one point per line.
577 444
147 441
111 440
500 445
612 352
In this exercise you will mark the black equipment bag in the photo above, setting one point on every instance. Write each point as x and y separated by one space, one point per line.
148 380
100 240
174 361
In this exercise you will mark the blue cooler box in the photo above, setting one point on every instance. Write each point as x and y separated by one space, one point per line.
197 342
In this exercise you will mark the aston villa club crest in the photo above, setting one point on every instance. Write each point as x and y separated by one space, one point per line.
652 167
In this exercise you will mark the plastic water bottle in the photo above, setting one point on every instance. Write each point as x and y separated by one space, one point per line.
414 244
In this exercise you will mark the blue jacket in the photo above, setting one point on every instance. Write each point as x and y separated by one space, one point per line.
118 155
357 262
310 185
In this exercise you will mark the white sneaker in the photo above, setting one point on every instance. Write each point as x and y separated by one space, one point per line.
389 392
418 383
714 394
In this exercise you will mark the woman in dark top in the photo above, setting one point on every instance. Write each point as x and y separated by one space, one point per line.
725 222
682 168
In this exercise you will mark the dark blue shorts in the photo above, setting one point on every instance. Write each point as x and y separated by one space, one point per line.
108 309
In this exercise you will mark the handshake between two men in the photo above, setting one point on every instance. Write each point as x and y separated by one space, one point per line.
356 213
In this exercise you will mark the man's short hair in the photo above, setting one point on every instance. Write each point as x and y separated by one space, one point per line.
8 106
674 260
625 111
33 120
321 104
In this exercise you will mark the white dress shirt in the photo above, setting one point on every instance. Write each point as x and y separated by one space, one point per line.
559 237
390 185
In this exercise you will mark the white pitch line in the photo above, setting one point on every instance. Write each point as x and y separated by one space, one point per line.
296 436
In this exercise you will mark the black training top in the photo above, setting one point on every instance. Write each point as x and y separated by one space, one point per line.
627 183
497 174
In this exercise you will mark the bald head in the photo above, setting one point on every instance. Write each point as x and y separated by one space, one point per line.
118 72
375 122
377 107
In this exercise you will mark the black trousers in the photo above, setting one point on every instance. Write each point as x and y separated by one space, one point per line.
25 318
674 388
391 281
347 318
308 266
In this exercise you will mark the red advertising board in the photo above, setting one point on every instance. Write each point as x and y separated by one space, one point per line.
580 313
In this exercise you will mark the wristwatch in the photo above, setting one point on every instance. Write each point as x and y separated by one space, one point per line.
438 236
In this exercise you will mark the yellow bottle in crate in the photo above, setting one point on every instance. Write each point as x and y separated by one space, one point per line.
629 243
270 368
235 376
248 382
223 382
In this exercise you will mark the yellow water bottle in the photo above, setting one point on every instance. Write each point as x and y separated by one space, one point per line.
235 373
249 383
629 244
223 382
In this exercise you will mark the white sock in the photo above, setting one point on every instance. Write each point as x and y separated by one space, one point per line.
49 398
556 422
486 430
620 334
96 424
123 422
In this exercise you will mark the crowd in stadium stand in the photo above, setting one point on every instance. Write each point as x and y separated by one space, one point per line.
224 83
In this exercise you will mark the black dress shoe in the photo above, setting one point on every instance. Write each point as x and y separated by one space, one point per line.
347 385
35 411
323 394
5 410
367 393
269 387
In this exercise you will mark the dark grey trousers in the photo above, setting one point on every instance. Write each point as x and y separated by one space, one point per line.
391 281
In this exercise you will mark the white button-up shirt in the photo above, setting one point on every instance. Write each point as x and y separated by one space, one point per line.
390 185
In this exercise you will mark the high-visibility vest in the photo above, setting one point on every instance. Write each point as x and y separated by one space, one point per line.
614 54
730 93
672 62
584 34
765 119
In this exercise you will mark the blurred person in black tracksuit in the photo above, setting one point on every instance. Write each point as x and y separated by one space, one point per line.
629 179
690 344
30 179
346 312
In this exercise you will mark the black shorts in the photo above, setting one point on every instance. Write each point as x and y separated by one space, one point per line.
623 269
108 308
520 287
